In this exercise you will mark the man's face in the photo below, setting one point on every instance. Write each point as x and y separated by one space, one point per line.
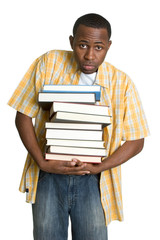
90 46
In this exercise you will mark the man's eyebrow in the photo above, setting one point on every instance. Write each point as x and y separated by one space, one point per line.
85 41
99 43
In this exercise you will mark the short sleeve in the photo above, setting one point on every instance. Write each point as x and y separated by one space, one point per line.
134 122
24 98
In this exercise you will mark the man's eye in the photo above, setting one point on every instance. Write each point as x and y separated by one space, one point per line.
98 47
83 46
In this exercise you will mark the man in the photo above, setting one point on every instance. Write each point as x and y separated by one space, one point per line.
89 193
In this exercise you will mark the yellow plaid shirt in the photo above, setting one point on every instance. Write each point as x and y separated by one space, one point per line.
117 91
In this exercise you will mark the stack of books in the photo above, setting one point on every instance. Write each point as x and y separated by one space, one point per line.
76 124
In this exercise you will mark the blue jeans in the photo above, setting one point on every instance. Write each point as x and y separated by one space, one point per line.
61 196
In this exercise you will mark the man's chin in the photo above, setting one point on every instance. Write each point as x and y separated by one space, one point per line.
88 70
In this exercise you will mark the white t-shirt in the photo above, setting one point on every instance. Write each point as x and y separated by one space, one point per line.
87 79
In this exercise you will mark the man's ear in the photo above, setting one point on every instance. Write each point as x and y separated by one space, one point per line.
71 39
110 42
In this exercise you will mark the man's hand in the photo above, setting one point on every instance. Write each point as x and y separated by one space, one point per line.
64 167
92 168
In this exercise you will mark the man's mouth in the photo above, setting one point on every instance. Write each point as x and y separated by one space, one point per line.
88 67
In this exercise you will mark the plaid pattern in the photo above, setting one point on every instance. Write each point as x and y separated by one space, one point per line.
118 92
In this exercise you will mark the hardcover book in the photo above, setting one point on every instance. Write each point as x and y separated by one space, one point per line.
75 143
46 99
96 89
68 125
79 108
78 117
77 150
74 134
68 157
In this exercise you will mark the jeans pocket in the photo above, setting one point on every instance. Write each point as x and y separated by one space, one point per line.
42 175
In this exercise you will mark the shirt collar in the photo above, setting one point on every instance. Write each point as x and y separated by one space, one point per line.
102 76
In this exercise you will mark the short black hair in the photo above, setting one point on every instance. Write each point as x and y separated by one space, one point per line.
92 20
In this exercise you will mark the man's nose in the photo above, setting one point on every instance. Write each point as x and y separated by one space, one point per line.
90 54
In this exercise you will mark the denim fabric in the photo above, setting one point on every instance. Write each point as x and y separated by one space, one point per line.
61 196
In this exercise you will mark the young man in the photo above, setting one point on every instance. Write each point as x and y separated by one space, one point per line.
90 194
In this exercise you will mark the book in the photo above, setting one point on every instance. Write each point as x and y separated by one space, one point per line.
74 134
75 143
78 117
77 150
79 108
77 126
68 157
45 99
96 89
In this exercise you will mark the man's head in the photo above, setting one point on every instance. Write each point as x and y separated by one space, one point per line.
90 41
94 21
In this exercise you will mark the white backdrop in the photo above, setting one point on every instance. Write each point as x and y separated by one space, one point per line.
30 28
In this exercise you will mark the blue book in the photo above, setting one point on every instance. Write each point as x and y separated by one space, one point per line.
96 89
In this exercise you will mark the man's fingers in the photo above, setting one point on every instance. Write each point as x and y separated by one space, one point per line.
77 170
74 167
78 173
78 162
75 162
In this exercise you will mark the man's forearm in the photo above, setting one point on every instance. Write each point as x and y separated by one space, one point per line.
28 137
128 150
26 131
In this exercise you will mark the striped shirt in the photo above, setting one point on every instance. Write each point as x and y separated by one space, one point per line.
117 91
